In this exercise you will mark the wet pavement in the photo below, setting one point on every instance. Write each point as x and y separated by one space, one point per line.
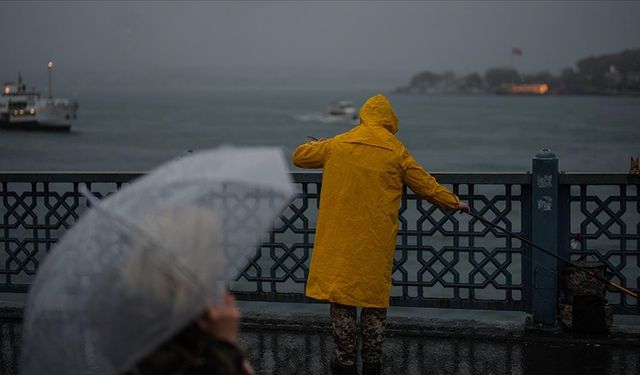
298 353
301 344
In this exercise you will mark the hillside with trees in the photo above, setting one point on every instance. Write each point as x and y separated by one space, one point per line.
610 74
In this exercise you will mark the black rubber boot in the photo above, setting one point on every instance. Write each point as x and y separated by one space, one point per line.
340 369
371 369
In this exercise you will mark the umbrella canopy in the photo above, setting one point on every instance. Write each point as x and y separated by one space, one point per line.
144 262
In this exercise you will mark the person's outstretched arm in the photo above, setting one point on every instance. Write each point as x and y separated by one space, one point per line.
426 186
312 154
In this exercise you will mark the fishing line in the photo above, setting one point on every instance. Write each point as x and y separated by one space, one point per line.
585 270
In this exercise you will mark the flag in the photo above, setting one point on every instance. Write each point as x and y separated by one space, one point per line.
516 51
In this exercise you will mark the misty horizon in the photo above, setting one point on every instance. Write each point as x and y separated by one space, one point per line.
212 77
350 44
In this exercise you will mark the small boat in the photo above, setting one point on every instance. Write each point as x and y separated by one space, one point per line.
24 109
343 110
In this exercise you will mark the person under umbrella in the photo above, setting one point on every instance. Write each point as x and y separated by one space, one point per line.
364 170
209 344
138 284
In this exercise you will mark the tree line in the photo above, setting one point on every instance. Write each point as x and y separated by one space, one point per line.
610 74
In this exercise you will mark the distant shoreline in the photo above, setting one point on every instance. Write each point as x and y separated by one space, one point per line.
615 75
612 95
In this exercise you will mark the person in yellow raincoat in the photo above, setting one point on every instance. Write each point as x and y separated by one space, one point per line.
364 170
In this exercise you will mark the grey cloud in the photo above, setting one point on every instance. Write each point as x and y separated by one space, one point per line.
356 39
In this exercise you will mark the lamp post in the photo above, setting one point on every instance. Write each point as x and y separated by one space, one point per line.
50 67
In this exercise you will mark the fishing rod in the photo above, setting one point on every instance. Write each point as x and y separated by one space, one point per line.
567 261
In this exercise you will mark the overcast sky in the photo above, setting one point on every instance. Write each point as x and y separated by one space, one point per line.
388 41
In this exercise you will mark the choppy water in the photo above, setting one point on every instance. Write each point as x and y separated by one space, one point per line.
139 130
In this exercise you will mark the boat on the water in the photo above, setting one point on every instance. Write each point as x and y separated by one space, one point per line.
27 109
343 110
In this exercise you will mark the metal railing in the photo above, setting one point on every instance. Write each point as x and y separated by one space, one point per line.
441 259
604 209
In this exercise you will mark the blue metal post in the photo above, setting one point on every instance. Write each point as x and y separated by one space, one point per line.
544 232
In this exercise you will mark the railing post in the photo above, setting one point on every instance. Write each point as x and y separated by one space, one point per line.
544 232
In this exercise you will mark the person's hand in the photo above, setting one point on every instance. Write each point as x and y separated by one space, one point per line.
462 206
247 369
222 322
312 139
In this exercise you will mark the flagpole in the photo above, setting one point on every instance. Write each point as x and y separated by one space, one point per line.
511 65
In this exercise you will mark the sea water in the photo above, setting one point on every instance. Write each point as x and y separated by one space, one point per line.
138 130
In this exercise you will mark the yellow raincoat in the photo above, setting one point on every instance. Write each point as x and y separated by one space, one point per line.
364 171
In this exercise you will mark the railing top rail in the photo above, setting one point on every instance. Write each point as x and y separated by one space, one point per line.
96 177
565 178
597 178
522 178
519 178
298 177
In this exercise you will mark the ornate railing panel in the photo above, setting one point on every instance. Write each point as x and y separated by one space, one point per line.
35 211
452 260
604 211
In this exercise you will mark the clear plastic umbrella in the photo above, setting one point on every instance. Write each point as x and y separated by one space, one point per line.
144 262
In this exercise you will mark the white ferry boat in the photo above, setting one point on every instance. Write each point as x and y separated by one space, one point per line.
23 109
343 110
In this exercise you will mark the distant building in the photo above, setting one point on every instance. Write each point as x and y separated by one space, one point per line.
633 78
524 89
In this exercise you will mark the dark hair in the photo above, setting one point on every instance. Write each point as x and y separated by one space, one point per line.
192 351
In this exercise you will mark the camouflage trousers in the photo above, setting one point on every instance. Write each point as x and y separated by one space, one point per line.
345 333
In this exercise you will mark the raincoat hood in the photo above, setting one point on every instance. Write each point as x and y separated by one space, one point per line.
377 111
